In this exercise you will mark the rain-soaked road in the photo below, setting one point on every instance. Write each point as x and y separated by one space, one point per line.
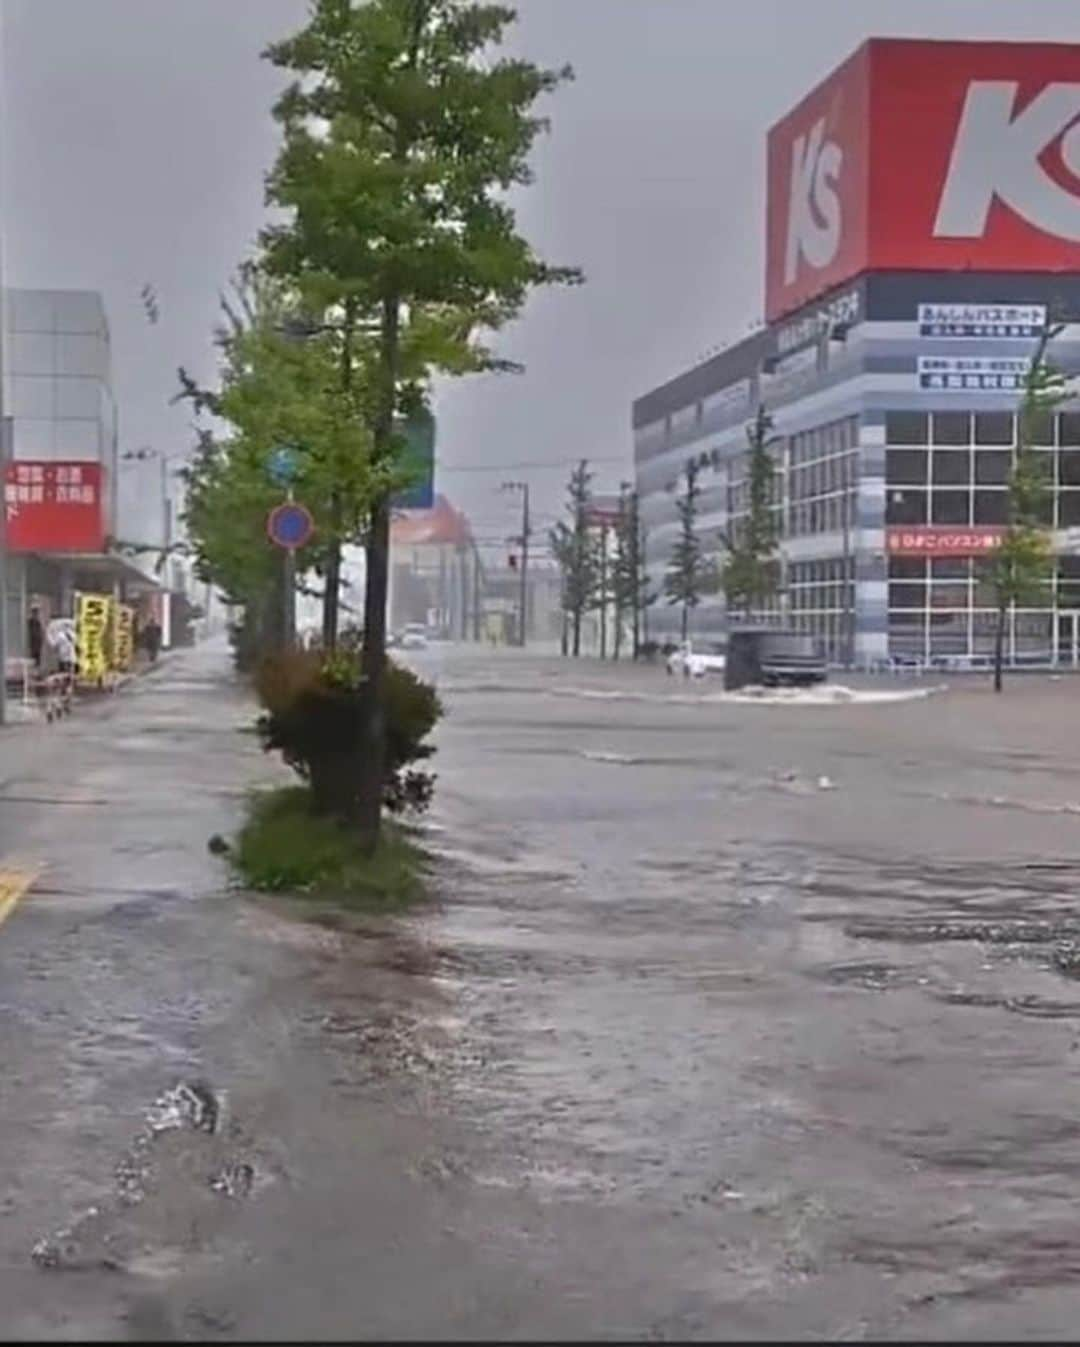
692 1044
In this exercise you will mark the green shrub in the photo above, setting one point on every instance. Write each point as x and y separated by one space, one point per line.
315 718
283 848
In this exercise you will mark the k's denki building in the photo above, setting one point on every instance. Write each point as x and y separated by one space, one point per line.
923 225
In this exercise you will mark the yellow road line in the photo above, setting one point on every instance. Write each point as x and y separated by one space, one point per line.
15 880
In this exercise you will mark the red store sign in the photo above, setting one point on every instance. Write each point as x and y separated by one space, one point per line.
54 507
927 156
942 541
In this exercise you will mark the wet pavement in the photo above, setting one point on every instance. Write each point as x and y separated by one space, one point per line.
726 1020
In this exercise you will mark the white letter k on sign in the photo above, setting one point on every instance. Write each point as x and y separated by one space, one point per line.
997 154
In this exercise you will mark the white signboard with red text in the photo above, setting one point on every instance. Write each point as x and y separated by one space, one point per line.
927 156
973 374
54 507
982 320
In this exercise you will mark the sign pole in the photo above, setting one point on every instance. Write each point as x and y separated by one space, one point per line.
288 526
288 562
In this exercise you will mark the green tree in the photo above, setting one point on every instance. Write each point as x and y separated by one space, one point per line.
1023 561
749 575
631 582
690 573
574 547
273 391
403 131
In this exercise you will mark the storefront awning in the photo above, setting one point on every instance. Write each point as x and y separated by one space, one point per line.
109 566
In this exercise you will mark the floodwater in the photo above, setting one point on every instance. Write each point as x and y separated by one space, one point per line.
725 1020
799 982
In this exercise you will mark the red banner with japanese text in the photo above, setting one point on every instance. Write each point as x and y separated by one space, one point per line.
54 507
942 541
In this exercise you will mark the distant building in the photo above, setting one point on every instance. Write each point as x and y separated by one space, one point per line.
918 243
435 575
62 448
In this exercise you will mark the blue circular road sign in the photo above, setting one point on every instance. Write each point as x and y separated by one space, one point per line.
290 525
283 464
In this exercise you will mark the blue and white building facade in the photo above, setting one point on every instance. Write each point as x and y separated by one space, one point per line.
894 401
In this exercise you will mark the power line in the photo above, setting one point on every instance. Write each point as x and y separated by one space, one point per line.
515 467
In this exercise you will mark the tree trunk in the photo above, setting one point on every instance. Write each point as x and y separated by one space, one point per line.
617 644
333 786
377 552
577 632
999 647
685 621
332 591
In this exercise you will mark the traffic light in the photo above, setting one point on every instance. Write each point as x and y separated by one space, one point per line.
513 561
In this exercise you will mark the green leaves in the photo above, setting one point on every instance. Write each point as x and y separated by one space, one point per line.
690 573
575 548
749 574
1023 561
276 390
400 135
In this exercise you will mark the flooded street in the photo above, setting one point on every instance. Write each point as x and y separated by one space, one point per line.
795 982
725 1020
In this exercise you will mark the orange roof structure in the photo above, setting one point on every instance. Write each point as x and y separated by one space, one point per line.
441 525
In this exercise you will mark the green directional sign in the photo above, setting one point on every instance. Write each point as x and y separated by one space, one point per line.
418 462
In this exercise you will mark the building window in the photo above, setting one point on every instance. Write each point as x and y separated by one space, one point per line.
951 467
907 428
951 507
992 467
993 427
906 467
905 507
991 507
952 427
1069 428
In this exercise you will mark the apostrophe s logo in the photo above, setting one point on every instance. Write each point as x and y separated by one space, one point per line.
814 215
999 152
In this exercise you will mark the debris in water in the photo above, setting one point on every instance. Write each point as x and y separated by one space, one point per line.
235 1180
194 1106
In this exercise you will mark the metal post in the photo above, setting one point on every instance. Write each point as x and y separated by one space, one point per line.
642 573
476 593
288 581
525 529
603 591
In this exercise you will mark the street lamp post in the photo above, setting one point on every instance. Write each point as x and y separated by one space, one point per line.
523 602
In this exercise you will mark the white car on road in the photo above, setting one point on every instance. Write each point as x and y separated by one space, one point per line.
696 661
414 637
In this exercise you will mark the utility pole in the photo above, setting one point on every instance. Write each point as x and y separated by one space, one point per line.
526 528
603 591
643 608
476 594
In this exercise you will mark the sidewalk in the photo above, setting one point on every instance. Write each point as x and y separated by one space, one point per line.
309 1202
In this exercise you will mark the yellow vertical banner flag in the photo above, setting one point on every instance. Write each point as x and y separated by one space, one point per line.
91 630
125 636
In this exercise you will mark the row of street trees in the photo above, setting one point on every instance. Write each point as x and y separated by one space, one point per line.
748 574
591 579
393 254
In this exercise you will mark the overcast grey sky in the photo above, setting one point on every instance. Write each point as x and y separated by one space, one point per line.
136 134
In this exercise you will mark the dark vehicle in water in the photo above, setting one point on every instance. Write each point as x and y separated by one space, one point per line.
773 657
